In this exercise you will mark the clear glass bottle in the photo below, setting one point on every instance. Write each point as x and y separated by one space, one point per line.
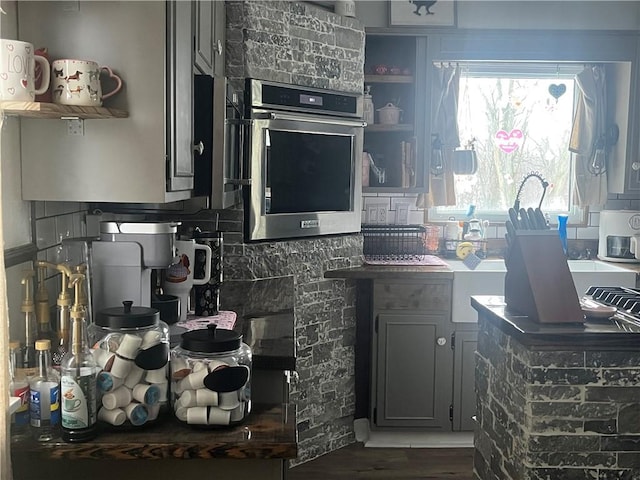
44 396
18 387
368 109
78 378
28 354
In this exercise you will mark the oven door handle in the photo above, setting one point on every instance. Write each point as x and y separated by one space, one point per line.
310 119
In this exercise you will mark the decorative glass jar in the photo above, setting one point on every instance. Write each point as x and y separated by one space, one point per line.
211 378
131 346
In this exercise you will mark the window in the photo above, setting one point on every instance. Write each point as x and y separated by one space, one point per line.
519 117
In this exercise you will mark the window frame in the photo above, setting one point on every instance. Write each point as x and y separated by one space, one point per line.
518 70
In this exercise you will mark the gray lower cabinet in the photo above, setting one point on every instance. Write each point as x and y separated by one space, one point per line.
412 360
465 342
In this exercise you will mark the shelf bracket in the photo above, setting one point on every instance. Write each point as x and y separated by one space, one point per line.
75 125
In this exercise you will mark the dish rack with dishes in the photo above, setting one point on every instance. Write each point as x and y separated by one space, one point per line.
393 242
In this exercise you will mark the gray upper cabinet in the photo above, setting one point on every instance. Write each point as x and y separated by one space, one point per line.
209 37
204 41
145 158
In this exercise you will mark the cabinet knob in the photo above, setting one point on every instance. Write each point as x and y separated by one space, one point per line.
198 148
635 166
441 341
219 47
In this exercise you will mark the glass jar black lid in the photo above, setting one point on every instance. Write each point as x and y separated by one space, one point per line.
127 316
211 340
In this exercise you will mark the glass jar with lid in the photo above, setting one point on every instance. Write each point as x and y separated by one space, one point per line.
131 347
211 378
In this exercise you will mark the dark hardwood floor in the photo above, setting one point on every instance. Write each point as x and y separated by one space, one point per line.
357 462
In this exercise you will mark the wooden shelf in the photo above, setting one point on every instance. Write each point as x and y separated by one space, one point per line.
55 111
399 127
388 79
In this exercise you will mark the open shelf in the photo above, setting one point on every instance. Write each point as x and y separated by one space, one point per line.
55 111
398 127
388 79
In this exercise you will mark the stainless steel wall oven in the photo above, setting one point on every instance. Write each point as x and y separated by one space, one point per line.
302 162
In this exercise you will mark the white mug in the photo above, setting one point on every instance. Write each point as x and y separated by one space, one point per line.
179 278
77 82
17 71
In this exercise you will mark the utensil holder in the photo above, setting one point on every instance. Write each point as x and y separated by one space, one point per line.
538 282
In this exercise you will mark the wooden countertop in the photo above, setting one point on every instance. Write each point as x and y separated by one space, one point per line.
374 272
269 432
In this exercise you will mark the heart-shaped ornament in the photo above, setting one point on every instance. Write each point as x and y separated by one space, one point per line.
4 76
10 47
24 82
11 90
556 91
509 142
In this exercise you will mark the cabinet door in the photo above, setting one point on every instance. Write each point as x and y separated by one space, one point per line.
180 101
219 33
204 41
464 393
414 369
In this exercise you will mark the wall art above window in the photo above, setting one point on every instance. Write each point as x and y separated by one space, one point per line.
418 13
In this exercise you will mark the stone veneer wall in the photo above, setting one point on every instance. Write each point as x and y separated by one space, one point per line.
324 311
555 414
293 42
303 44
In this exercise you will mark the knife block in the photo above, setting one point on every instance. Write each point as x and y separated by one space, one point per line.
538 282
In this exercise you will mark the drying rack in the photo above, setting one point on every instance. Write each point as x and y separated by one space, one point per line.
393 242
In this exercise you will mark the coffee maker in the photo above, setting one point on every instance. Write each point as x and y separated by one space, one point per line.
124 259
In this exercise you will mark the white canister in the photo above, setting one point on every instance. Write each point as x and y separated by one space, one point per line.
389 114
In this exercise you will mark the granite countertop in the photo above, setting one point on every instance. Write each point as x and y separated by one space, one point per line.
271 337
269 432
597 334
272 340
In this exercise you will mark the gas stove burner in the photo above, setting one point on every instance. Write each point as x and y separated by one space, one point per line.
625 300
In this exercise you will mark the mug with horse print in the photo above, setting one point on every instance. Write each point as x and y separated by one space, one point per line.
77 82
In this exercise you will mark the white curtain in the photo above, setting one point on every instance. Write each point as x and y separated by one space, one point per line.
5 443
445 92
589 125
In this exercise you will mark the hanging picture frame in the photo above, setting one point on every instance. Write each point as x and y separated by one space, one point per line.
418 13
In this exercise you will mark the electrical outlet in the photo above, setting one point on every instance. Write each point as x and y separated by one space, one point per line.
75 127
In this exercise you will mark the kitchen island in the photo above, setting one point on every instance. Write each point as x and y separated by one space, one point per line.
555 400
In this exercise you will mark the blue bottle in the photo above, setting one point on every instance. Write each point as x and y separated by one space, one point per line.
562 231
